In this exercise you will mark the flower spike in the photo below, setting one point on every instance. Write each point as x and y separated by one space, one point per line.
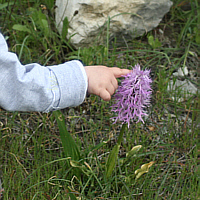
133 96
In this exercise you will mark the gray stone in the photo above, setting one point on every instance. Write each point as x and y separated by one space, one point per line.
182 71
182 89
88 18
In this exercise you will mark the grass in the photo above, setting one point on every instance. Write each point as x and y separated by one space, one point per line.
32 160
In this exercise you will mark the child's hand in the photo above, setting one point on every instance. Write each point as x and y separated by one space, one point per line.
102 80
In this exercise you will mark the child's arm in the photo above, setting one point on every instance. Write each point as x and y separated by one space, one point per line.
34 87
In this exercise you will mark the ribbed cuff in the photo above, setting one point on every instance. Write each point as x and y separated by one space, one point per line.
72 83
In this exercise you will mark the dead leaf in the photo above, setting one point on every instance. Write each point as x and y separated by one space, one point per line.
144 169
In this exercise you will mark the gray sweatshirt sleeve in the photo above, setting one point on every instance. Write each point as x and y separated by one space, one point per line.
34 87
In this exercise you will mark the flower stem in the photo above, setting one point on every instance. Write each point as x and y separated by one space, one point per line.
121 134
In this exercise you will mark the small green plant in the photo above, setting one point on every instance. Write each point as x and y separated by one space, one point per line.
153 42
39 25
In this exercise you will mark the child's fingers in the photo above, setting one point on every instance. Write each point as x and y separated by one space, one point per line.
104 94
119 72
114 83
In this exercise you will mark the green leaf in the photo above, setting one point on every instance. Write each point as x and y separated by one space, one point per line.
110 164
98 146
19 27
69 145
197 36
40 21
120 137
45 27
151 40
157 43
4 5
65 28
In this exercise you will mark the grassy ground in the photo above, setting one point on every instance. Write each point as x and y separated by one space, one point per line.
32 160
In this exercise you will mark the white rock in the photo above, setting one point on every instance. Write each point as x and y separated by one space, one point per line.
128 18
181 90
181 72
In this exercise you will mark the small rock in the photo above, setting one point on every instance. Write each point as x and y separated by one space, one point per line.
184 89
182 71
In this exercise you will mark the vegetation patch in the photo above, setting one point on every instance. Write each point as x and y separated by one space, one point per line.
158 159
